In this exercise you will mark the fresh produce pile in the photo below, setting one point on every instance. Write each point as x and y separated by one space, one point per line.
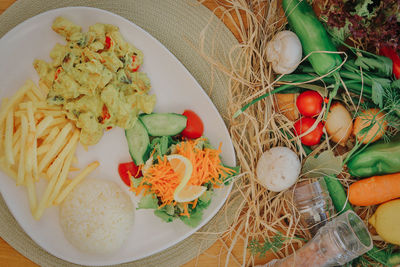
337 107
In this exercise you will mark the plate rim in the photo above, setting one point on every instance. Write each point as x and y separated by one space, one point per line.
163 47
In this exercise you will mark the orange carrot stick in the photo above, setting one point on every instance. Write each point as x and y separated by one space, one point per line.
375 190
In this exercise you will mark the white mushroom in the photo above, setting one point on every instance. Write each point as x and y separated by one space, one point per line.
278 168
284 52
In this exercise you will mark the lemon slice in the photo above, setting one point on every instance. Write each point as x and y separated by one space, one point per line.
184 192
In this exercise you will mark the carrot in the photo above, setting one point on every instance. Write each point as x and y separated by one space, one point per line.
375 190
161 179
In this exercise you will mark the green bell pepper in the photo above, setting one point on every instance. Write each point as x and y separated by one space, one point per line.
376 159
312 35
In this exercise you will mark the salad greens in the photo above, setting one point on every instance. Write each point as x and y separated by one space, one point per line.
192 214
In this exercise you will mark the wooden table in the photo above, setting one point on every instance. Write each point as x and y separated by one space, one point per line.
214 256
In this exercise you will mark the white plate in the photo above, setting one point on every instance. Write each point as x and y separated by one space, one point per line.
176 90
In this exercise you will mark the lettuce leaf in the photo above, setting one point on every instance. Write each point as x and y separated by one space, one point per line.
194 219
149 201
163 215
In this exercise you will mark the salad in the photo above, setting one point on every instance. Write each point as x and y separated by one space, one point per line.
175 169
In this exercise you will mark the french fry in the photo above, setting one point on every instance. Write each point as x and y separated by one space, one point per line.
43 149
58 121
2 123
30 186
64 193
44 106
50 137
56 147
43 125
32 142
43 201
53 113
17 97
32 96
75 160
68 149
31 118
6 168
38 116
74 169
21 166
43 88
38 93
62 177
16 138
8 138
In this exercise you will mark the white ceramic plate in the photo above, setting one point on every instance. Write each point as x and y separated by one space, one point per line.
176 90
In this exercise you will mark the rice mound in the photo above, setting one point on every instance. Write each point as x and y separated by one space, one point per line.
97 216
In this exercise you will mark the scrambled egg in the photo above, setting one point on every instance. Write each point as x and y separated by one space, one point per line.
95 77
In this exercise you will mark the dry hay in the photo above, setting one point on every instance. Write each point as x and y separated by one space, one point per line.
261 215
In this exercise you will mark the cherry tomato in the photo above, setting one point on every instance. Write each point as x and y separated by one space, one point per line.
309 103
194 125
305 123
128 169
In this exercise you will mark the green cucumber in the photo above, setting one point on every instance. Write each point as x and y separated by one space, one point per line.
138 142
163 124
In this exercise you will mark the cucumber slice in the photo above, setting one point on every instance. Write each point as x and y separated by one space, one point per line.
138 142
164 124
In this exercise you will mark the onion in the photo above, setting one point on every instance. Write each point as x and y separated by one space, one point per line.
339 124
370 116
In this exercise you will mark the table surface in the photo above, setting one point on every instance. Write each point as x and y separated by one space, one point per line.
214 256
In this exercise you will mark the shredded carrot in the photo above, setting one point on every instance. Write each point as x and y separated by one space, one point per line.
161 179
186 211
194 203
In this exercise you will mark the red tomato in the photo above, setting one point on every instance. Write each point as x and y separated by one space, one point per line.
309 103
305 123
128 169
194 125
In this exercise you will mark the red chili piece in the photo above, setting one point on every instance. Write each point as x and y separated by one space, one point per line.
108 42
105 114
133 61
57 72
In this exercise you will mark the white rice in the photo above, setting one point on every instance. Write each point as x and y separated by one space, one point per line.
97 216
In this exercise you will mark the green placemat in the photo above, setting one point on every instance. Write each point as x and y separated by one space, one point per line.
178 24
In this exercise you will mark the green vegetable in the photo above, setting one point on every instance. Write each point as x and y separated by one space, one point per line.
337 193
312 35
138 142
163 215
148 201
163 124
376 159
